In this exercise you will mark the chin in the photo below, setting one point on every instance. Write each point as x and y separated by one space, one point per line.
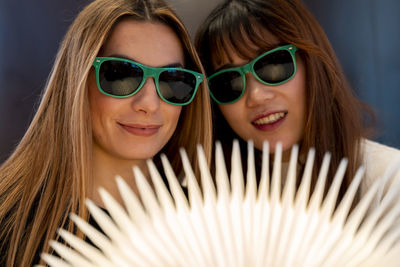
140 152
143 155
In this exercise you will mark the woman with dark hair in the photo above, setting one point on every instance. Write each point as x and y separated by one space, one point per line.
274 76
122 90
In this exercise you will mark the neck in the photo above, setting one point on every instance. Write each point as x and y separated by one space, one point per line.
105 169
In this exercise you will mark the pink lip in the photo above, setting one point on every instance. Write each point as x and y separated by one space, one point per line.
268 126
140 129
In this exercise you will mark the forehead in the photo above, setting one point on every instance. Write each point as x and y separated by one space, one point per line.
151 43
240 47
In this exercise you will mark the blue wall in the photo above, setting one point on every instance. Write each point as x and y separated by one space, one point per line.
30 33
366 36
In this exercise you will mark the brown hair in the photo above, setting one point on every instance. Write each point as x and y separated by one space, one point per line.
333 115
49 173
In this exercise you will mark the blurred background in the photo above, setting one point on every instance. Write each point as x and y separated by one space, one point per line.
364 34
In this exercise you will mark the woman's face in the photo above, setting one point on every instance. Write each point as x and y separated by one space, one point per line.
273 113
136 127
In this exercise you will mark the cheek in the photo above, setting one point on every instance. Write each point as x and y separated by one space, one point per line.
102 108
171 114
233 114
226 111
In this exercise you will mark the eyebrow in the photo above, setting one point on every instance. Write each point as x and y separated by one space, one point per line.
171 65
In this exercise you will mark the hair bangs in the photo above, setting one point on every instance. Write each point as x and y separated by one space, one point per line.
235 32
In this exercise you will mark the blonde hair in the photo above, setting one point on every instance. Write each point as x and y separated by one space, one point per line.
48 174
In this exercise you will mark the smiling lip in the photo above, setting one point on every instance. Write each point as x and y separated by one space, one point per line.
269 121
140 129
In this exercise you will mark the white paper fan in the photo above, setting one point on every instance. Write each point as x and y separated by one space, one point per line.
233 224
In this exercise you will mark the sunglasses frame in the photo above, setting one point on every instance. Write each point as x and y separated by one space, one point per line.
249 68
147 72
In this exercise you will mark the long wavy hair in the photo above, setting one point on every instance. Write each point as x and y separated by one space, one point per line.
334 116
49 173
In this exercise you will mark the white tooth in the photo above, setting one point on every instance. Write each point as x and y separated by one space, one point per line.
271 118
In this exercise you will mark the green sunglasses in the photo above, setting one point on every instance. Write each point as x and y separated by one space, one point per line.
273 67
121 78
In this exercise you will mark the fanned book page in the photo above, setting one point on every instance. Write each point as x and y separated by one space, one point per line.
225 222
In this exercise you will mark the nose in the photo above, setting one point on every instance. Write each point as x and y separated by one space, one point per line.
257 93
147 99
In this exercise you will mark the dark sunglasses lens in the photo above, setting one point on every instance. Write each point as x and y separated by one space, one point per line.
275 67
119 78
227 86
177 86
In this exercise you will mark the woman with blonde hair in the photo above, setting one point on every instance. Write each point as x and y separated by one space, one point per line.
118 94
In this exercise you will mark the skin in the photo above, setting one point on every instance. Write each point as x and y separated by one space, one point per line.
127 131
260 101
